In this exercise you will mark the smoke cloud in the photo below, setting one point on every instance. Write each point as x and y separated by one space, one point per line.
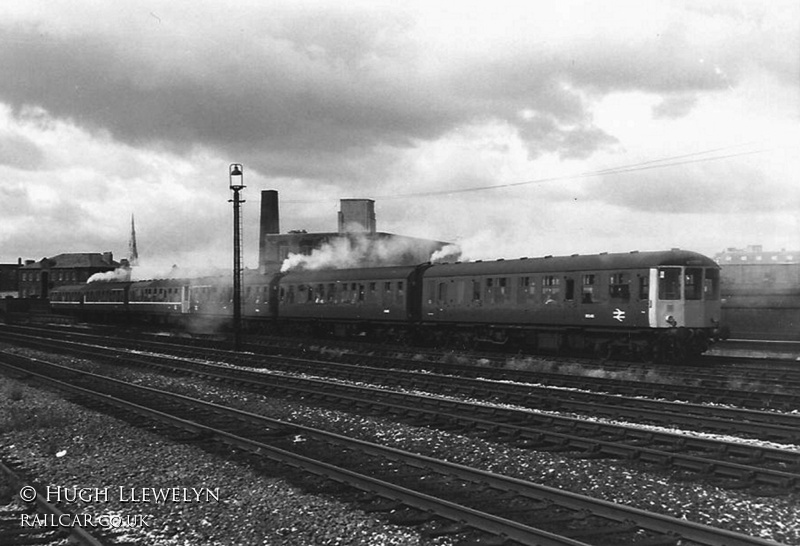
446 253
155 272
356 250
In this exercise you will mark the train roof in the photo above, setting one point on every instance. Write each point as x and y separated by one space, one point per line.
87 287
334 275
576 262
159 283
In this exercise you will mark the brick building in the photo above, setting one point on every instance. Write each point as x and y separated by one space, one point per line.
37 278
9 279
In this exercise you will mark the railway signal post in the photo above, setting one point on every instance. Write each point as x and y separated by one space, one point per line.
236 176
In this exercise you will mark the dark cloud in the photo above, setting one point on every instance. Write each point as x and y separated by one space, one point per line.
312 94
20 152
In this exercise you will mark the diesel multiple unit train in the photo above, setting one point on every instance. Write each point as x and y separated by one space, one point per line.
654 305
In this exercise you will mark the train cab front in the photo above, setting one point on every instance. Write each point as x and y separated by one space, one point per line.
685 305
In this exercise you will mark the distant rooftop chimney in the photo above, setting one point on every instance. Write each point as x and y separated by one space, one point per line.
270 220
269 224
357 216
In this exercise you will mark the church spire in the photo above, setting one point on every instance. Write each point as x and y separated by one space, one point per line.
133 253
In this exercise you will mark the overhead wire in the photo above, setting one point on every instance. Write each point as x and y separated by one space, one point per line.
672 161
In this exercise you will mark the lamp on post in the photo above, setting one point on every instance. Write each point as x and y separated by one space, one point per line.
236 175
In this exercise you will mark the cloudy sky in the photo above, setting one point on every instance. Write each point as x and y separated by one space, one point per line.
511 128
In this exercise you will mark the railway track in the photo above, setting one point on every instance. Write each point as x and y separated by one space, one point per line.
729 419
726 463
416 488
730 383
37 521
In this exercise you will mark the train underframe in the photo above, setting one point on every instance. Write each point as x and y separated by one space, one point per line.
645 345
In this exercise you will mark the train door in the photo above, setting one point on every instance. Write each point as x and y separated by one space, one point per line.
570 306
185 302
666 296
693 312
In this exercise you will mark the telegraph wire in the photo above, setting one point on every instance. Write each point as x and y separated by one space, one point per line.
671 161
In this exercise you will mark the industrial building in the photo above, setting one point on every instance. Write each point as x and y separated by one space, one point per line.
357 234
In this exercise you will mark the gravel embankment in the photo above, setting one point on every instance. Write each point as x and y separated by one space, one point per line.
103 454
68 446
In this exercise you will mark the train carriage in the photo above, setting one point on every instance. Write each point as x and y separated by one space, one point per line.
161 301
596 301
657 305
105 301
350 300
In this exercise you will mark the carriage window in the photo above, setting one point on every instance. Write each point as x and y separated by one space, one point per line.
693 283
476 290
711 284
669 283
387 293
644 287
442 296
502 290
354 292
569 292
587 295
489 295
550 289
618 287
525 288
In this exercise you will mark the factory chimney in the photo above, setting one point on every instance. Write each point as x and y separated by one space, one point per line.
270 221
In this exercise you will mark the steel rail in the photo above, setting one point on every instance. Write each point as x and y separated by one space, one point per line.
520 425
691 531
76 534
528 424
708 390
760 424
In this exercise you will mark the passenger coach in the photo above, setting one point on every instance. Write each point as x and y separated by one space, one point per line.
639 301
